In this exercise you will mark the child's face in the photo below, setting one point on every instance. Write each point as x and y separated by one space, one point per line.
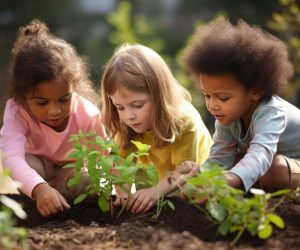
50 103
228 100
134 108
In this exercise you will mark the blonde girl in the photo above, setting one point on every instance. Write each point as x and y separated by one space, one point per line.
142 101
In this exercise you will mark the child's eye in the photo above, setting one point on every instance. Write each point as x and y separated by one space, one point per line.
224 99
139 106
206 96
41 103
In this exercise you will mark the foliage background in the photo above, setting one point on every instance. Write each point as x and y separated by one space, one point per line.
96 27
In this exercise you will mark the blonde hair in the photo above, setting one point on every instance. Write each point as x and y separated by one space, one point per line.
140 69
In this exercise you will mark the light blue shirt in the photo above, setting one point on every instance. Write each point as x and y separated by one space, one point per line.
274 129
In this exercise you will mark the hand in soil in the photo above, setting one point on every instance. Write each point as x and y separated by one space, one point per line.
48 200
142 200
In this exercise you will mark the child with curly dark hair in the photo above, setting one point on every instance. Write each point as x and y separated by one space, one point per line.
46 106
242 72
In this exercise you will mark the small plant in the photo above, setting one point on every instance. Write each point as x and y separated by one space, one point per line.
107 168
162 203
9 234
229 207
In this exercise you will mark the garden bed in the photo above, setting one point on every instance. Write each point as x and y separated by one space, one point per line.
85 227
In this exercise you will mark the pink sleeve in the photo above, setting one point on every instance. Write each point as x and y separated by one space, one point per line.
12 145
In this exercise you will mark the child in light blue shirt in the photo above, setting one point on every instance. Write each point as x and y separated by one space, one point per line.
242 71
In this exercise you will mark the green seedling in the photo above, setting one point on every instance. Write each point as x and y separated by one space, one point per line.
228 206
9 233
106 168
162 203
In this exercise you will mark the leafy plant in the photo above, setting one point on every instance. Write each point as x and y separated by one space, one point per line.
9 234
228 206
107 168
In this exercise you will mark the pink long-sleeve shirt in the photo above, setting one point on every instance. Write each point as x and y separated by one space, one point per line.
22 133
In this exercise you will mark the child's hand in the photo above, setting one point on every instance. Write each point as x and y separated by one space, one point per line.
143 200
48 200
188 168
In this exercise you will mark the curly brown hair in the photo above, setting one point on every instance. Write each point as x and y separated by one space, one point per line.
39 56
257 59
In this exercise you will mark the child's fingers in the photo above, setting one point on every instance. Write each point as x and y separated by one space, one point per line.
43 210
146 208
194 171
140 205
63 202
186 166
130 203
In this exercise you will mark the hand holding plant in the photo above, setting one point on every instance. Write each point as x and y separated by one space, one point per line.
108 170
143 200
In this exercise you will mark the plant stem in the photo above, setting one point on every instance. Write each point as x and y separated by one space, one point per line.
236 238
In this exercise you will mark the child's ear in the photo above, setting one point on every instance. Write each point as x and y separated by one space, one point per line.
257 94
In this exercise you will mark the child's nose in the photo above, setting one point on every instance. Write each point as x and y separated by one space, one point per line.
54 110
130 115
213 106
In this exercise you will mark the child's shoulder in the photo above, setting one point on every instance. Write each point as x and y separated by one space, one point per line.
12 106
279 103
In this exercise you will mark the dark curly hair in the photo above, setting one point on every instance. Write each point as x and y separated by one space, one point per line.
257 59
39 56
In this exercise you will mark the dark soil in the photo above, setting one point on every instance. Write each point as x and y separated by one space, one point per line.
85 227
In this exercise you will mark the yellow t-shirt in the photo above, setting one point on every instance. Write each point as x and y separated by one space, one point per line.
194 145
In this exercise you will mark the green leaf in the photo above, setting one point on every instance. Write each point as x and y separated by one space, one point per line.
276 220
80 198
143 148
217 210
265 232
69 165
129 159
73 154
94 153
107 164
128 172
224 228
78 146
170 204
103 203
74 181
153 175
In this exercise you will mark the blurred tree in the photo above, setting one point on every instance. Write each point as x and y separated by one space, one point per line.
132 28
287 25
